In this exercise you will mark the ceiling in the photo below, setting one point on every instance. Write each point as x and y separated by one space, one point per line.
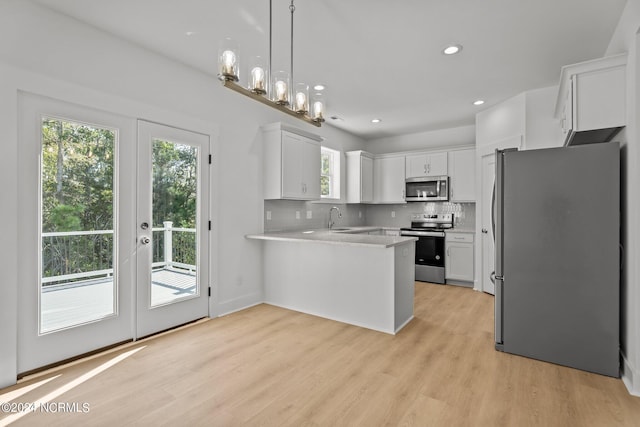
378 59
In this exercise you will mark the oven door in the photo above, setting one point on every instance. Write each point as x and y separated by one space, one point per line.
429 247
430 250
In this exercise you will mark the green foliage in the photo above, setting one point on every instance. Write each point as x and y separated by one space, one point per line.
78 163
66 218
77 176
174 184
325 173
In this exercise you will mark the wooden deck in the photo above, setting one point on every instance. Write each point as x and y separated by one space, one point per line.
64 306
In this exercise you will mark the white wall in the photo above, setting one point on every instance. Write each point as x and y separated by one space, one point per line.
53 55
542 129
501 121
442 138
626 39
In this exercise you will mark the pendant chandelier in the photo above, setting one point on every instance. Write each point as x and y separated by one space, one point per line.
276 89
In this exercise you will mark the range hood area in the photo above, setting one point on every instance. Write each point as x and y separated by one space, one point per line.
591 100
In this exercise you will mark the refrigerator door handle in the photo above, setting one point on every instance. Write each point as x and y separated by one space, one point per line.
493 212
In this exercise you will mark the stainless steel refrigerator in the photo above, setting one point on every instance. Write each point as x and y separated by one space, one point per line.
557 263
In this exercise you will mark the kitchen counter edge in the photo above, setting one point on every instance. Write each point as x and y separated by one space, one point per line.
334 238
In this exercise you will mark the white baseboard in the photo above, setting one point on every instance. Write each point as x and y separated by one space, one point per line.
237 304
630 378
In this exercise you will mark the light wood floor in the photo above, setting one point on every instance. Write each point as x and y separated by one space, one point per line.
272 367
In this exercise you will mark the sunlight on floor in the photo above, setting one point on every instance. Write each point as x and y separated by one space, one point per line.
60 390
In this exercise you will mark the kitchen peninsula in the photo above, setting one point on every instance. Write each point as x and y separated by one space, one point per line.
360 279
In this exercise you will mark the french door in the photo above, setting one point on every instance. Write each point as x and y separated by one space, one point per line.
172 232
88 278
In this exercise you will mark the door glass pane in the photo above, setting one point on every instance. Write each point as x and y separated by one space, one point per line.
77 222
175 235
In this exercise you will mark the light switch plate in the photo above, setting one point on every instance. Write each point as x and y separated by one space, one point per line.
297 214
309 215
268 215
393 214
359 214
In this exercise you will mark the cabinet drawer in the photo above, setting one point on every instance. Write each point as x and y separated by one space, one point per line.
459 237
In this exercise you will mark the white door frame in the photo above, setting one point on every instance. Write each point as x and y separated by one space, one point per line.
481 152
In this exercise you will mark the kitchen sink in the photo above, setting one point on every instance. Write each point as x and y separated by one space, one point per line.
341 228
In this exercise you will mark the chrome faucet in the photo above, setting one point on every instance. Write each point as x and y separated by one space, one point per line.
339 215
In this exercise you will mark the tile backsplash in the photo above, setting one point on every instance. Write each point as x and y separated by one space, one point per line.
283 214
464 214
284 218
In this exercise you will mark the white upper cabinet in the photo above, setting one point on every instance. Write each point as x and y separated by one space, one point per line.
462 175
359 177
291 163
432 164
591 100
389 179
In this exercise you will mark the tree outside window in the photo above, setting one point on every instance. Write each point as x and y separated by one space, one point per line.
329 173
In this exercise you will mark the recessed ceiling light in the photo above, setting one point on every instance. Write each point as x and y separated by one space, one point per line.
375 120
189 33
452 50
478 102
318 87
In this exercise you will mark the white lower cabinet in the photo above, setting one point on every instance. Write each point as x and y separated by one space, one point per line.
459 253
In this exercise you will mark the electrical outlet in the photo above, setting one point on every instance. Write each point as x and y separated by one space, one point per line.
393 214
297 214
309 215
268 215
359 214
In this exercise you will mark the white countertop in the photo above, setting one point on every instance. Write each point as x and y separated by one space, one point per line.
337 237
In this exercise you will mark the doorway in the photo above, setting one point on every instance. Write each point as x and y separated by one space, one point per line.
488 173
86 177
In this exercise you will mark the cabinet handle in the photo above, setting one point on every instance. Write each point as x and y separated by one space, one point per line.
448 251
425 168
428 167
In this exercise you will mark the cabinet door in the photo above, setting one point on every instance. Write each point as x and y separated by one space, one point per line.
599 99
310 169
437 164
291 170
459 261
389 180
416 166
366 179
462 171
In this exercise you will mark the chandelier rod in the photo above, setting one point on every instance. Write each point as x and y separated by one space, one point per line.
292 8
270 46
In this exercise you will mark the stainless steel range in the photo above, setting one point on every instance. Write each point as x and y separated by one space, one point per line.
429 229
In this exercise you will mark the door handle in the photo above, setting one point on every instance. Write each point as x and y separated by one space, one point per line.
484 231
492 277
145 240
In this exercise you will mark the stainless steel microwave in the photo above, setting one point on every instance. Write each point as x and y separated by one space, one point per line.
427 189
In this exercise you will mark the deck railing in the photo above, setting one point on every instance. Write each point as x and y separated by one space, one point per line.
83 255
